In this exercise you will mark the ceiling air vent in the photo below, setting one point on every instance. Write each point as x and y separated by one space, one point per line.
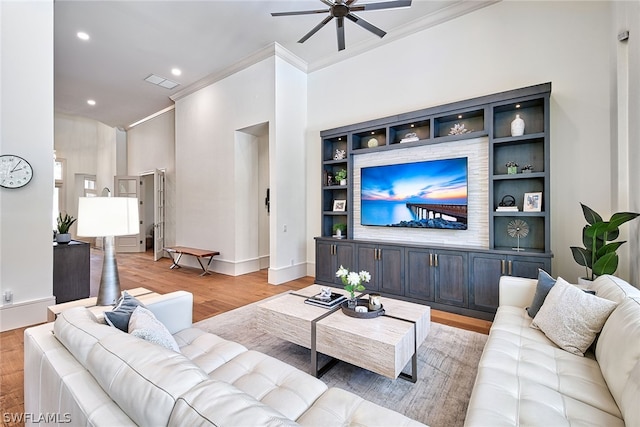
161 81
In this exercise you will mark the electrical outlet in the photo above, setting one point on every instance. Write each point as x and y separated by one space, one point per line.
8 297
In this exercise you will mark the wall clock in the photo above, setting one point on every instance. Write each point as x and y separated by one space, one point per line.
15 172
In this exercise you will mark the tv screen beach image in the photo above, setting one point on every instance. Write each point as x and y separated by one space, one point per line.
427 194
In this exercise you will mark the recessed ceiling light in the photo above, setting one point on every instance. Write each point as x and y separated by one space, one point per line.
91 102
82 35
176 71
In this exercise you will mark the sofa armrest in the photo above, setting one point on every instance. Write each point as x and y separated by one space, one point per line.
517 291
174 310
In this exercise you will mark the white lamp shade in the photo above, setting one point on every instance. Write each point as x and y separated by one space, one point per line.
107 216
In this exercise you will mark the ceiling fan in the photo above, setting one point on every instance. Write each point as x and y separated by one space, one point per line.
340 9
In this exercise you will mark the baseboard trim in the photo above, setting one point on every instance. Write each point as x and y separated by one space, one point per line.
281 275
27 313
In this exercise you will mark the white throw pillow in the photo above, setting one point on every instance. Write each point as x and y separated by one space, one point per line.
572 318
143 324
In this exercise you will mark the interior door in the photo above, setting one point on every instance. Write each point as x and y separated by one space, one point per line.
128 186
158 216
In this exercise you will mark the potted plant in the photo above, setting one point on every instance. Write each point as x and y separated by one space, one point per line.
512 168
599 252
64 223
352 282
339 230
341 176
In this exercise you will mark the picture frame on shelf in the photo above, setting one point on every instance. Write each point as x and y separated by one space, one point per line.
532 202
339 205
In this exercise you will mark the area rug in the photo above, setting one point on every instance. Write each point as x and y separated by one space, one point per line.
447 366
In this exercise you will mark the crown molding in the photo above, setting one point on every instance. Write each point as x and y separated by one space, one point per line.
273 49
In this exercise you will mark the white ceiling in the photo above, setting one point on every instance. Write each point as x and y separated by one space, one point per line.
132 39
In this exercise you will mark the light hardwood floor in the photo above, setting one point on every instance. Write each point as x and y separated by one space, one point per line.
212 294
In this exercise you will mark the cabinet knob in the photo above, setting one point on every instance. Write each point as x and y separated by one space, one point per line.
502 265
430 260
510 269
436 259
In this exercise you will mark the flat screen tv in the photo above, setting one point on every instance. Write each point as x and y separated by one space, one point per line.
427 194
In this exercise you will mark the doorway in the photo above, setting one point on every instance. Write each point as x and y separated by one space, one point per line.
253 205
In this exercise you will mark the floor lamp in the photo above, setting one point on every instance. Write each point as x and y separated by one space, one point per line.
108 217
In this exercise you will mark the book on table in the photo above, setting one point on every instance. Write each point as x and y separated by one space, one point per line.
326 302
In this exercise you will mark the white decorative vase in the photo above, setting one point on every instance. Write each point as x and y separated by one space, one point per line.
343 182
517 126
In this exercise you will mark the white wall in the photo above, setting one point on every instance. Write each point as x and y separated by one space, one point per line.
288 175
626 63
151 145
505 46
211 212
26 129
89 148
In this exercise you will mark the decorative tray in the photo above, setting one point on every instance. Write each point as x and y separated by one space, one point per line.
366 315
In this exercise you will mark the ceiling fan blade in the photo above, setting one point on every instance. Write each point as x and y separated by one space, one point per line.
315 29
350 2
302 12
366 25
328 2
383 5
340 31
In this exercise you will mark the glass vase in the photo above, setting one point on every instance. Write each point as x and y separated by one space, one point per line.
352 302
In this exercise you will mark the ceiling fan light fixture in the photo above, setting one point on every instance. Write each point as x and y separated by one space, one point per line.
340 9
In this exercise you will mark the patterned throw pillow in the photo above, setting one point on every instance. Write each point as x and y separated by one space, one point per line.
143 324
572 318
119 316
545 282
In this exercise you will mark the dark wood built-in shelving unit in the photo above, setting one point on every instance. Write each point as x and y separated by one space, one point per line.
458 279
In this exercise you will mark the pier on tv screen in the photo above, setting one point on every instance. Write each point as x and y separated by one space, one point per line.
427 194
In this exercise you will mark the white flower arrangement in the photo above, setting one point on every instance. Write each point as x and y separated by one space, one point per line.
352 281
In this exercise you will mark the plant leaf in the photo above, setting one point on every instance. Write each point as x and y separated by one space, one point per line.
608 264
590 215
620 218
609 247
582 256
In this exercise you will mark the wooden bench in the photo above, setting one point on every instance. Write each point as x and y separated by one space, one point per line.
176 252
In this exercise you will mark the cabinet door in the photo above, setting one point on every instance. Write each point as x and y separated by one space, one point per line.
324 262
485 275
343 256
419 276
390 269
528 266
367 260
450 270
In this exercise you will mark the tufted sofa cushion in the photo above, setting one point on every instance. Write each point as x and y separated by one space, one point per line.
214 403
618 353
514 350
613 288
337 408
277 384
79 330
206 350
144 379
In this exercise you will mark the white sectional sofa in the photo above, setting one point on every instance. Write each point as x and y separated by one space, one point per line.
524 379
80 370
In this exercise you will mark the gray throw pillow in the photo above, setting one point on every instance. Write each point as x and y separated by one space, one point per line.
545 283
121 313
572 318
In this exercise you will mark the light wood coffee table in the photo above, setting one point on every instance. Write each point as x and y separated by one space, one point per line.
383 345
